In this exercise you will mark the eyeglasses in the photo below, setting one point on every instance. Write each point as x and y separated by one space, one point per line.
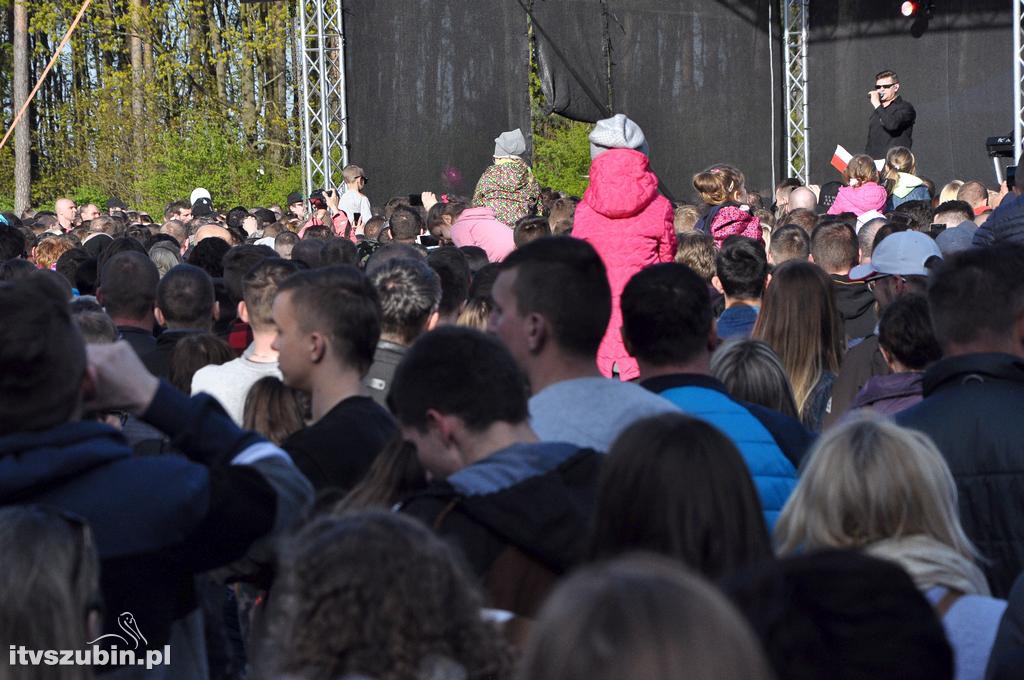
885 87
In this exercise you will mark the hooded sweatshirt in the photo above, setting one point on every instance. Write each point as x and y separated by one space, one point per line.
629 224
856 305
859 199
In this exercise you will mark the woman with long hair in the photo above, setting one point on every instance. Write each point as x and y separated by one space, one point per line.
899 177
676 486
800 321
872 485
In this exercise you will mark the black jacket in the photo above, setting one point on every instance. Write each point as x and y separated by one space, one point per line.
159 520
856 304
890 126
973 410
520 516
1007 657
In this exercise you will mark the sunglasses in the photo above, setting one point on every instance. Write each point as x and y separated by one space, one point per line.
884 87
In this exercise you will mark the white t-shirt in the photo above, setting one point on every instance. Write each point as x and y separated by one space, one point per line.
353 202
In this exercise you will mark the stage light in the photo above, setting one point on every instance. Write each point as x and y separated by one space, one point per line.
910 8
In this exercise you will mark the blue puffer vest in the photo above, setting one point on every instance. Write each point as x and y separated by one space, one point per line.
774 475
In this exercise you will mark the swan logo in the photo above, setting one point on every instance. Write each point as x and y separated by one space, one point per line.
125 622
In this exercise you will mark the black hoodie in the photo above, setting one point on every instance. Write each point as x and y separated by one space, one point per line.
856 304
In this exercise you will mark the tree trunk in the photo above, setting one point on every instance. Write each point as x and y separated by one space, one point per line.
23 133
137 61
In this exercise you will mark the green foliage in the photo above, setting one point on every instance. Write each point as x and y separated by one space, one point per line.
561 156
561 150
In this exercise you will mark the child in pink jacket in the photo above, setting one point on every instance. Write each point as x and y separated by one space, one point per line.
863 192
626 220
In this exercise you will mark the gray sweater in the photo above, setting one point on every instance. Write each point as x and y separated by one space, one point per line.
592 412
229 383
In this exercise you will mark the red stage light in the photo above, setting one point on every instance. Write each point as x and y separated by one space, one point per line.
910 8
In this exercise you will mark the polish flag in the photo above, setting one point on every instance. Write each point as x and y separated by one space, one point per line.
841 158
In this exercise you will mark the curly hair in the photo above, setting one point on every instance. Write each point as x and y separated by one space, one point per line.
377 594
50 249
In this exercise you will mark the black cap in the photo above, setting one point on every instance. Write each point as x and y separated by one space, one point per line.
202 207
116 203
295 197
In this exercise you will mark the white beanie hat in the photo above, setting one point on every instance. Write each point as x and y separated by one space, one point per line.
617 132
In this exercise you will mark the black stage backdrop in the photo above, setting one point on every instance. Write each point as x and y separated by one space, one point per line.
430 85
957 72
695 75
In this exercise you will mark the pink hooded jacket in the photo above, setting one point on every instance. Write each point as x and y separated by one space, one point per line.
732 220
629 223
480 227
859 199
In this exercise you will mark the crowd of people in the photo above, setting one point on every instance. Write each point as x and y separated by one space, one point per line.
518 434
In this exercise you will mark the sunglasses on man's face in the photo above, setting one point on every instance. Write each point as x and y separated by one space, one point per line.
885 87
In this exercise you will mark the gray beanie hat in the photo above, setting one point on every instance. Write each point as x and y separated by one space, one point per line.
511 143
617 132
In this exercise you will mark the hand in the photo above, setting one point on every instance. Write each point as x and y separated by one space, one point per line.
249 225
333 199
876 101
429 199
119 379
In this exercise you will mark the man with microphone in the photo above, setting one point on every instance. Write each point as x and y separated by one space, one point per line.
892 121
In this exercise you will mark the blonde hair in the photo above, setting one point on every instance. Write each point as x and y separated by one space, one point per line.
685 218
751 371
696 250
898 159
475 313
870 480
720 184
861 168
50 249
950 191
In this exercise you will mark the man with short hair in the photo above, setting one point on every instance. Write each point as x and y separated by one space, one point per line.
974 194
974 396
552 304
802 198
953 213
157 522
89 212
127 291
452 267
66 211
230 383
892 120
866 237
185 304
668 327
176 230
238 262
284 243
742 272
899 266
353 202
517 509
789 242
410 292
406 224
835 249
178 210
328 325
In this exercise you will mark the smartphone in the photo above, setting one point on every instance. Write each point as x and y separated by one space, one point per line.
1011 177
415 200
935 229
355 218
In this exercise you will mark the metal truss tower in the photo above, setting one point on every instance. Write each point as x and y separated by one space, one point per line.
324 107
794 18
1018 73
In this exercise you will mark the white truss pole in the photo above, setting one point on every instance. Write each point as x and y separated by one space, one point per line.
324 106
795 16
1018 113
